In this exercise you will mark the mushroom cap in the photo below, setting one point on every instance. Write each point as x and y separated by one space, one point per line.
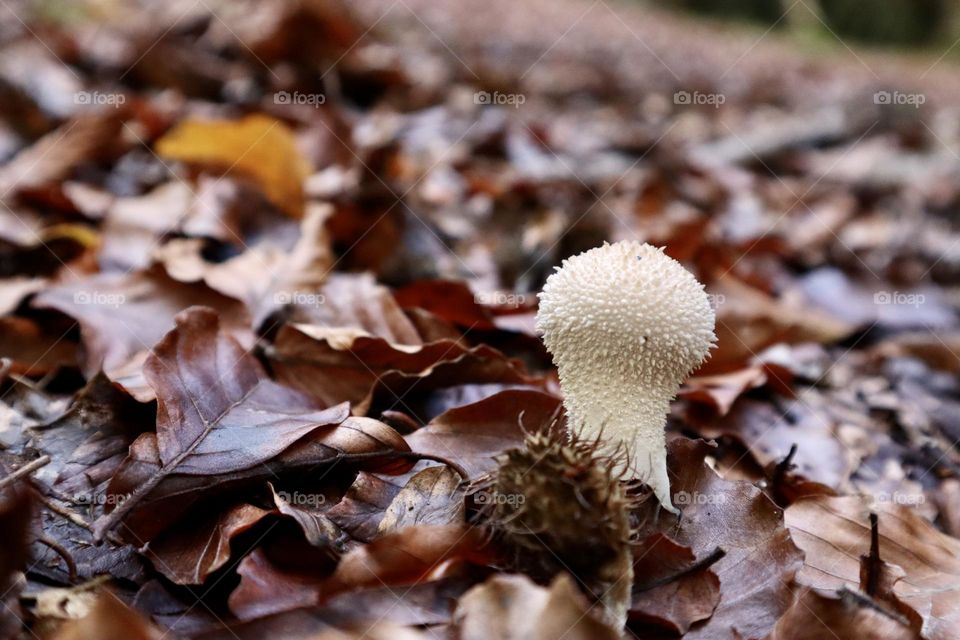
625 324
628 300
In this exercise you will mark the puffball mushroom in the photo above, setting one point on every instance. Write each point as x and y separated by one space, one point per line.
625 324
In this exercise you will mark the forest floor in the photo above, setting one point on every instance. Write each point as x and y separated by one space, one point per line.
268 277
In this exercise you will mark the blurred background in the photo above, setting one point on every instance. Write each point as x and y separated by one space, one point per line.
803 154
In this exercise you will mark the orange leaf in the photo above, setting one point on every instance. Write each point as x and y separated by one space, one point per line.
258 147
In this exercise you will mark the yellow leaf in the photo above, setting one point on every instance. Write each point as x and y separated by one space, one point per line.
258 147
79 233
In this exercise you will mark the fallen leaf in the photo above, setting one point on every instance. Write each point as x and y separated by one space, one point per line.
189 553
319 530
90 439
266 589
667 593
452 301
362 507
267 277
769 430
348 365
719 392
33 351
409 556
760 559
433 496
122 316
217 412
834 532
109 619
748 321
357 301
474 434
54 156
814 616
513 607
256 146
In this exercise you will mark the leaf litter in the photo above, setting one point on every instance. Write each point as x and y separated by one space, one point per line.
268 277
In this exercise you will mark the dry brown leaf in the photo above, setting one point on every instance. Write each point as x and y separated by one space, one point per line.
473 435
346 364
816 617
218 414
122 316
33 351
749 320
835 532
189 553
267 277
512 607
55 155
666 592
109 619
433 496
719 392
760 559
408 556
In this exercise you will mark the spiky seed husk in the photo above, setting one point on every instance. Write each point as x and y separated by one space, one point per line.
558 502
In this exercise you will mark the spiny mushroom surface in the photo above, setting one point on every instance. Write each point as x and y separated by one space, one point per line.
625 324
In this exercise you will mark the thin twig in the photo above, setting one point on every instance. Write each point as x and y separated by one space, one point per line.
65 512
62 552
699 565
25 470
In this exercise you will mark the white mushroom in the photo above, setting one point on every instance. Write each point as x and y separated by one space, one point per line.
625 324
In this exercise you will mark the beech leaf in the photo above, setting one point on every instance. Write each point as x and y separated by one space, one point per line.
217 412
